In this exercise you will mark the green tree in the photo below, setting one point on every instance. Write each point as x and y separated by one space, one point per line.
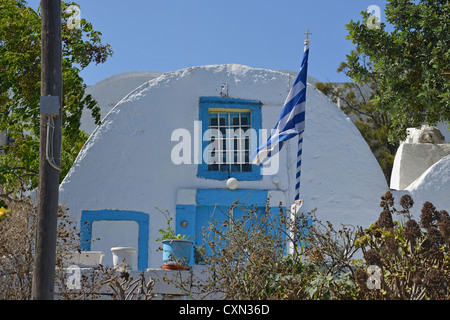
20 33
409 66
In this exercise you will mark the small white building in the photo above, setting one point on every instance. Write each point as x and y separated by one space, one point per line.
152 149
422 167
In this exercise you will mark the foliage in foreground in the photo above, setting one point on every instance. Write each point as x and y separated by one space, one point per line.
406 260
17 245
413 256
248 257
403 260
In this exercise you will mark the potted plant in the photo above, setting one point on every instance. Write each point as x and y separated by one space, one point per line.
176 247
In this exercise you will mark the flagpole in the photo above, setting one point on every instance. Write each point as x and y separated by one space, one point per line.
299 167
290 124
298 203
300 141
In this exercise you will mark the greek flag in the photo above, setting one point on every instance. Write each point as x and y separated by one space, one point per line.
292 118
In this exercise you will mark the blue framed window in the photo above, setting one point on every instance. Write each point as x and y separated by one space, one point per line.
230 129
142 219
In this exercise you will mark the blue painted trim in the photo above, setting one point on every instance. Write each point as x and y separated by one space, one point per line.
185 213
222 197
205 103
219 101
142 219
225 197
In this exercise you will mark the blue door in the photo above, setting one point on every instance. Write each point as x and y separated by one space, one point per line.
207 215
213 205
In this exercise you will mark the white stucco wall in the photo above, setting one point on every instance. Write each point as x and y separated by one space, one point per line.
433 186
412 160
126 163
108 92
444 128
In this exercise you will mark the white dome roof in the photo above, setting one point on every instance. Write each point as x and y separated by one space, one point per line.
108 92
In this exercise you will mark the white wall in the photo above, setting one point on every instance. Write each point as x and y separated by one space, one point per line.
412 160
108 92
126 163
433 186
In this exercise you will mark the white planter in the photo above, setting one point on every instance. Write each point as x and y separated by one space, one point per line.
124 258
86 259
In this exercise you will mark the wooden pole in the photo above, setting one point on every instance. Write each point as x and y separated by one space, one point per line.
51 85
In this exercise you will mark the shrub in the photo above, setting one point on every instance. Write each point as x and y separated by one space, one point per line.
17 246
248 257
17 231
412 257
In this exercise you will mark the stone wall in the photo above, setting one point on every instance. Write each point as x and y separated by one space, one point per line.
168 284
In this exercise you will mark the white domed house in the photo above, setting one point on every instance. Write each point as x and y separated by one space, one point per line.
422 167
151 150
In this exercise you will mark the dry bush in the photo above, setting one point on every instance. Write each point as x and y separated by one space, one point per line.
17 246
248 258
412 257
17 233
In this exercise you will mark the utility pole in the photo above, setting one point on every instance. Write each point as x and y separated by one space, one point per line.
50 151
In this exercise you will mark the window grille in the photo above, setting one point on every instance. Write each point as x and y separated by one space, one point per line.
230 136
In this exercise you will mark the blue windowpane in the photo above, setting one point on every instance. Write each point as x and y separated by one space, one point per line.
213 167
245 119
234 118
223 119
247 144
213 120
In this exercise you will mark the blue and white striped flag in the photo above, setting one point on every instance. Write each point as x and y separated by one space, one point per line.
292 118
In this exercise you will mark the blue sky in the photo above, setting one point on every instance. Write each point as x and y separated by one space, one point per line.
168 35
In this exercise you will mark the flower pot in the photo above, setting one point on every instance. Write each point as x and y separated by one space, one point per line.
124 258
176 254
86 259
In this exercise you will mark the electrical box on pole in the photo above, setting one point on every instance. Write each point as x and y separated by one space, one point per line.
50 106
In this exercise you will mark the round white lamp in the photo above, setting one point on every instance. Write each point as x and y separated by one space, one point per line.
232 183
